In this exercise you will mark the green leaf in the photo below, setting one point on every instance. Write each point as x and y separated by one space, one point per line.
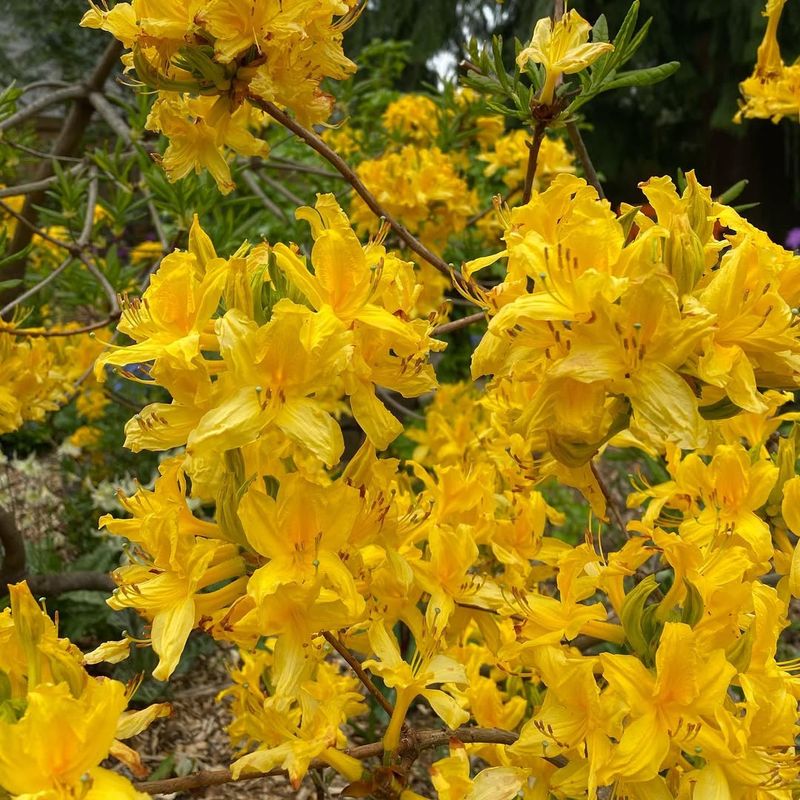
642 77
499 68
636 42
692 611
627 219
625 31
600 29
729 195
722 409
10 284
632 613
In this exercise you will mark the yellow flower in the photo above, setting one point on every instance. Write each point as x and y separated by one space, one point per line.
773 90
349 281
510 154
423 187
676 706
172 319
414 117
200 130
562 48
177 557
412 680
86 437
451 778
57 724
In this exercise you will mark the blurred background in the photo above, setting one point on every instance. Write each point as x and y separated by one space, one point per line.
684 122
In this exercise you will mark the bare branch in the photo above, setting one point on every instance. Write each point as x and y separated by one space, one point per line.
287 193
33 108
533 157
339 646
410 743
341 166
252 184
583 154
110 116
65 145
14 567
387 397
42 333
38 186
36 287
457 324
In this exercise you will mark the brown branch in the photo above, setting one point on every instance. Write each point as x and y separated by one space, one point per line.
35 333
40 232
457 324
583 154
51 99
355 665
285 165
386 396
14 567
65 145
287 193
497 201
410 743
252 184
341 166
533 157
56 583
610 504
36 186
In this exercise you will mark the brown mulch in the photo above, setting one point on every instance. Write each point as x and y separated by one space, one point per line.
194 738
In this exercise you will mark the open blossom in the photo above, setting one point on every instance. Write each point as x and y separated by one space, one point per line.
262 51
561 47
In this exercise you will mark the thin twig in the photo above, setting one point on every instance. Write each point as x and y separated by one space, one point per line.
386 395
38 186
252 183
610 504
457 324
412 742
33 108
533 157
37 287
285 165
339 646
285 191
583 154
68 246
32 151
35 333
341 166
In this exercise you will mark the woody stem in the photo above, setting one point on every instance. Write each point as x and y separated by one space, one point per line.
533 156
347 172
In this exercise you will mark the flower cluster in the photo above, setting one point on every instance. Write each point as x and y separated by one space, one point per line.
638 328
640 657
209 60
773 90
57 723
40 374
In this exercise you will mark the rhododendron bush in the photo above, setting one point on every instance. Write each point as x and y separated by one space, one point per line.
374 527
